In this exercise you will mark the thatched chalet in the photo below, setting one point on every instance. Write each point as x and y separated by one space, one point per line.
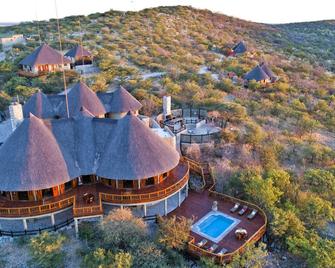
262 74
79 56
44 59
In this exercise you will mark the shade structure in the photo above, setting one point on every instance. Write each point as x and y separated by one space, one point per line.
133 151
44 54
256 74
78 52
80 95
39 105
31 158
122 101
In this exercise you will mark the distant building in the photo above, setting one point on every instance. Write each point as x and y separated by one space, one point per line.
9 125
8 40
44 59
239 48
79 56
262 74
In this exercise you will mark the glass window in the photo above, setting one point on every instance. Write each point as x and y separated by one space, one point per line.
150 181
127 184
23 195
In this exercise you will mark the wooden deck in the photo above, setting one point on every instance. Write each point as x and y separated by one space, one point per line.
101 192
198 205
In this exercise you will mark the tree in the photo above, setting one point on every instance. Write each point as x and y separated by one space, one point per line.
322 182
253 134
262 191
318 252
121 229
106 259
315 211
252 257
174 232
46 250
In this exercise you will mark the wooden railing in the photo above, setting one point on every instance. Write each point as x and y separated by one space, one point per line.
228 256
132 198
87 210
37 209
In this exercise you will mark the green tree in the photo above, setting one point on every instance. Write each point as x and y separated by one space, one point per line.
46 250
174 232
321 181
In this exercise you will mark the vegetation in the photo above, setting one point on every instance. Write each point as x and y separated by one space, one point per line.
46 250
277 148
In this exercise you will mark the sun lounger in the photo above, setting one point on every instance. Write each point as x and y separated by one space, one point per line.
243 210
235 208
222 251
202 243
212 248
252 214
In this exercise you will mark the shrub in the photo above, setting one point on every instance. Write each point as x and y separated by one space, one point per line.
46 250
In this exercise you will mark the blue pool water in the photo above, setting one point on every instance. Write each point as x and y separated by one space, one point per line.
215 225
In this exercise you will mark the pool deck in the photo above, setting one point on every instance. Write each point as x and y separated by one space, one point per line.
198 205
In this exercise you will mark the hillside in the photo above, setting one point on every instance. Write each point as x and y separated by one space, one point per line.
279 147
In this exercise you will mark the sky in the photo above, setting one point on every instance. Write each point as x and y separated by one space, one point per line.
266 11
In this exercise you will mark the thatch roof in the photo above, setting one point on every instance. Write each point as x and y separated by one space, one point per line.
121 101
240 48
39 105
135 152
256 74
44 54
43 153
31 158
80 95
78 52
268 71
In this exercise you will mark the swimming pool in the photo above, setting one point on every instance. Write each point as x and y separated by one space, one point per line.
214 225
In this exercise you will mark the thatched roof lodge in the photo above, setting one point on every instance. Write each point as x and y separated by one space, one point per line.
52 162
239 48
262 74
79 56
44 59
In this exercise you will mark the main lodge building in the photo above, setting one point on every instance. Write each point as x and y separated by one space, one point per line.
83 161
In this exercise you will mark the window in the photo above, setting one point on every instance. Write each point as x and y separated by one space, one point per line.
68 185
47 192
150 181
165 175
127 184
23 195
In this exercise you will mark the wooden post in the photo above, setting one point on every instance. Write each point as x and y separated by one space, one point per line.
139 183
35 197
116 184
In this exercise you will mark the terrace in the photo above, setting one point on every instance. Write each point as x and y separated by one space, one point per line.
100 193
197 205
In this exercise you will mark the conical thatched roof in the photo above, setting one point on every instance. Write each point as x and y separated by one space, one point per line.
240 48
44 54
256 74
268 71
122 101
133 151
78 52
80 95
39 105
31 158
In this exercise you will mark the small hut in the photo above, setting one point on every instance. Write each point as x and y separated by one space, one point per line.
258 75
78 55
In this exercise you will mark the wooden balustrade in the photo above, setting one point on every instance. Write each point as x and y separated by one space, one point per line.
228 256
37 209
131 198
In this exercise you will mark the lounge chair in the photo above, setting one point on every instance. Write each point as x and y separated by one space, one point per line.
212 248
235 207
202 243
243 210
252 214
222 251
